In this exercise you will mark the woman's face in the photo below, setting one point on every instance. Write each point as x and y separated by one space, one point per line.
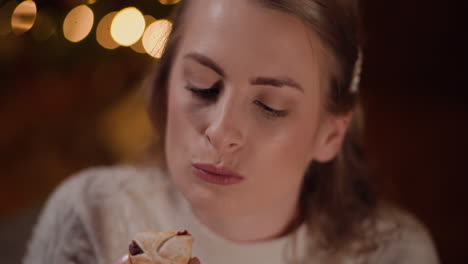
244 106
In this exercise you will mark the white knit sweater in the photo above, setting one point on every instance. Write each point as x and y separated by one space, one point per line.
93 215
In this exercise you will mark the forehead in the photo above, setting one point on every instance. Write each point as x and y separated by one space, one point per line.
246 38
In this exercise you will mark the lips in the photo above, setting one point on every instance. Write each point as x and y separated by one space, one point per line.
216 175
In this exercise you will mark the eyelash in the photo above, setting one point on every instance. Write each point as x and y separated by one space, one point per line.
206 93
270 112
211 93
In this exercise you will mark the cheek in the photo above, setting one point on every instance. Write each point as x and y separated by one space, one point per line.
277 169
176 120
184 113
300 141
294 150
180 116
302 134
183 129
178 128
285 155
180 137
293 140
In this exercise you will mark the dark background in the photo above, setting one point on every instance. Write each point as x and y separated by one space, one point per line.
66 106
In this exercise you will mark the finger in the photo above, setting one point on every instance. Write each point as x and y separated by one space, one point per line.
194 260
123 260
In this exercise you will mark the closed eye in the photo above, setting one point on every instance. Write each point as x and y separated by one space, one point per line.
271 111
206 93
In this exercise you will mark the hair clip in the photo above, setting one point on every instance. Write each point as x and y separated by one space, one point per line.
356 73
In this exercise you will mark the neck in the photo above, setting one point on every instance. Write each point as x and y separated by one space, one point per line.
271 222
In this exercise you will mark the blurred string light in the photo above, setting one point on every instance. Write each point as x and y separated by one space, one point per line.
155 37
103 32
6 12
138 46
128 26
78 23
44 27
169 2
23 17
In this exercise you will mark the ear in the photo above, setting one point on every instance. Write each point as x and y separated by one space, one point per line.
330 136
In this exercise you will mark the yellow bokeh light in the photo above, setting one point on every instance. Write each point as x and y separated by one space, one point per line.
155 37
169 2
103 32
23 17
138 46
78 23
128 26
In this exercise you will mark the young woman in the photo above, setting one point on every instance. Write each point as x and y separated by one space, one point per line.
254 100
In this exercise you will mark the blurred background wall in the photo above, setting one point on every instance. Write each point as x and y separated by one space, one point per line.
71 97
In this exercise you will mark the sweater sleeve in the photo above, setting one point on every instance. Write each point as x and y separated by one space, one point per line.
414 248
410 244
62 234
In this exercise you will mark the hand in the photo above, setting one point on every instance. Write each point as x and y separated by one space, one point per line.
126 260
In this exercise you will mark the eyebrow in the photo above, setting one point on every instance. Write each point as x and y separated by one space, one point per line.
276 82
205 61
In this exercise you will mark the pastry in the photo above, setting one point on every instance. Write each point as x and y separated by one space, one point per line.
152 247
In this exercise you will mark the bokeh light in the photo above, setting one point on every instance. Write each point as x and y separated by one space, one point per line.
155 37
44 27
23 17
138 46
78 23
6 11
169 2
128 26
103 32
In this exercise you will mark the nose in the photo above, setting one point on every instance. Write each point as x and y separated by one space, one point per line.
225 131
